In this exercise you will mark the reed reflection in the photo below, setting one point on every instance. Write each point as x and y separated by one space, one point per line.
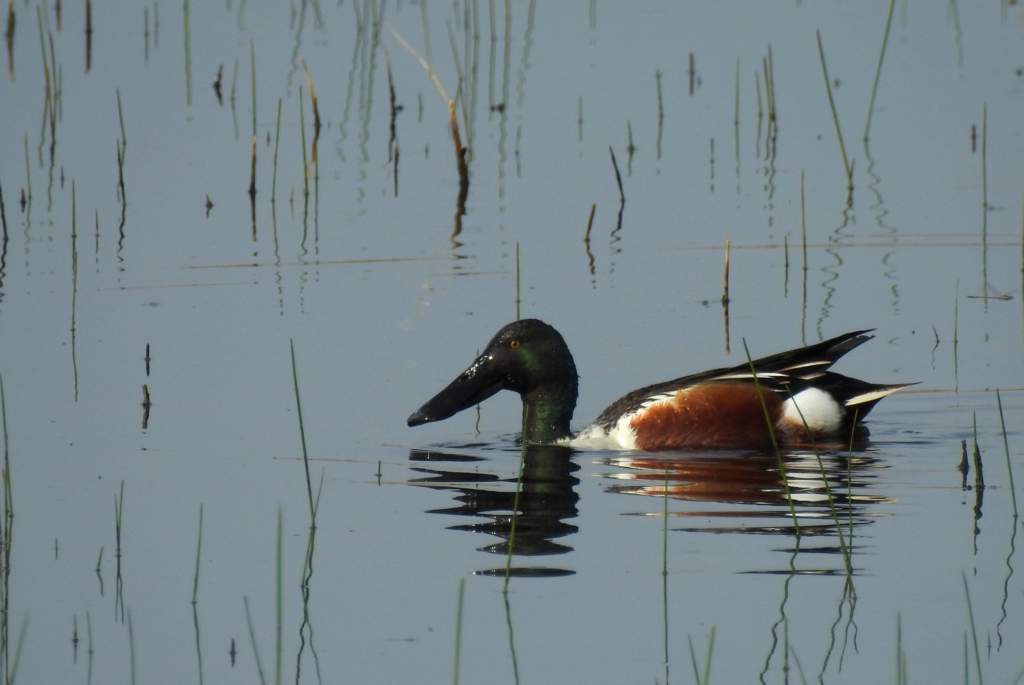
546 499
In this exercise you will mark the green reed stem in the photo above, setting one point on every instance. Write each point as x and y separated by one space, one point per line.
518 300
252 640
28 171
302 139
458 632
966 670
803 219
42 47
984 169
74 286
878 69
119 518
131 647
706 680
835 114
899 648
6 541
188 54
515 513
279 596
593 210
974 631
693 660
664 576
774 440
88 644
252 83
199 551
277 141
120 119
1006 448
302 435
956 340
828 490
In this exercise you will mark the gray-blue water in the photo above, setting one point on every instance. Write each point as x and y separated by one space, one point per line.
386 302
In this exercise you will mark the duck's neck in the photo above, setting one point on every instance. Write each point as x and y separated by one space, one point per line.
547 412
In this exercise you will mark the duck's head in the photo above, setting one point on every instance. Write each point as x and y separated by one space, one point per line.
527 356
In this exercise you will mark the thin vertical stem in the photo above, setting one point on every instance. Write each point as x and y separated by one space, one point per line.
199 551
188 54
277 141
302 435
835 114
974 632
252 71
1006 447
518 300
458 632
279 597
878 69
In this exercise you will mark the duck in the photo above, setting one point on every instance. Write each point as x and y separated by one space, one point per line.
788 399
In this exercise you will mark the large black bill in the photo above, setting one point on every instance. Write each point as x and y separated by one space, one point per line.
472 386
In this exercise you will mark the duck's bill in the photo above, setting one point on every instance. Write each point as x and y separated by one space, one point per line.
471 387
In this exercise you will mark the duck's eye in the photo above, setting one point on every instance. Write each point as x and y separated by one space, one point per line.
514 345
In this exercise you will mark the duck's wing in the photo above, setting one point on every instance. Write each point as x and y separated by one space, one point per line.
785 372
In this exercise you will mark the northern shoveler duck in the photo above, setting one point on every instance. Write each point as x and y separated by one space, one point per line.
720 408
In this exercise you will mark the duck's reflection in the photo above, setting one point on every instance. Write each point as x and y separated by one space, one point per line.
826 490
546 497
736 492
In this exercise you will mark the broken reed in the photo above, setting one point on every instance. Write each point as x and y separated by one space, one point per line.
835 115
453 122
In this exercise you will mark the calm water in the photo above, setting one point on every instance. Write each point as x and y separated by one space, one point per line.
623 560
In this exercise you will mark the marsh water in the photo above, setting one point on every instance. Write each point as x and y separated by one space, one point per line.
147 308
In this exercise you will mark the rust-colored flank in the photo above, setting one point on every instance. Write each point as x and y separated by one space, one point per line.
714 415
